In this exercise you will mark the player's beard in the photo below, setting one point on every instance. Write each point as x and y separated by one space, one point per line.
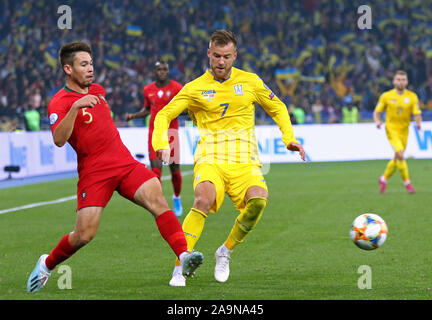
222 74
82 81
86 82
400 88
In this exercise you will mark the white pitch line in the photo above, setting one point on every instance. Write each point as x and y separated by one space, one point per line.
44 203
38 204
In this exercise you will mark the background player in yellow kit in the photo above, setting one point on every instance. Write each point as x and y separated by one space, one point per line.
221 103
398 104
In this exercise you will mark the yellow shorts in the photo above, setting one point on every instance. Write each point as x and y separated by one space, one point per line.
233 179
397 138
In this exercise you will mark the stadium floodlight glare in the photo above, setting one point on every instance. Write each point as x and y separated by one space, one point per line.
10 169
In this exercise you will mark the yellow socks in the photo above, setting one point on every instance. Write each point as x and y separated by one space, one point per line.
390 169
401 166
245 222
403 170
193 226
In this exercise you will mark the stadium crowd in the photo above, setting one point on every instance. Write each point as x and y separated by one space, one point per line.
311 53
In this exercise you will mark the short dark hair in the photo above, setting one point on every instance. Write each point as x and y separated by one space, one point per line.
222 38
67 52
400 73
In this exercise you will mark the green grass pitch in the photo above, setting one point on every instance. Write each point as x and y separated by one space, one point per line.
299 250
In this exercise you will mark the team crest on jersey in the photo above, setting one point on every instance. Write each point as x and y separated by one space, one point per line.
208 94
406 100
168 93
53 118
101 97
160 93
238 89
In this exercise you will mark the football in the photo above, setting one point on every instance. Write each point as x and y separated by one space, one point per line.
369 231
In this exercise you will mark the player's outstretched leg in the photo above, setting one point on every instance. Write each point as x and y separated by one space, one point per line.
193 226
243 225
39 276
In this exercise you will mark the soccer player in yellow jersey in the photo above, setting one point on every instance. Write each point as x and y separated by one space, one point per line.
221 103
398 104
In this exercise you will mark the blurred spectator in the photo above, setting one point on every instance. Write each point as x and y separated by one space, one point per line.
32 118
350 112
35 99
331 112
298 114
317 109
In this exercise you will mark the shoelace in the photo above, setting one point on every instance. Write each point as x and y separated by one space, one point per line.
224 262
44 277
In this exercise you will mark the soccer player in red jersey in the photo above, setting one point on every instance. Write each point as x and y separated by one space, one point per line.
156 96
79 114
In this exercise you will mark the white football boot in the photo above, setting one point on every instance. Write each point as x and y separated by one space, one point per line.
39 276
177 280
190 261
221 271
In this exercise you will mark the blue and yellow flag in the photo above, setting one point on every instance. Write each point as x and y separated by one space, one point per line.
50 55
112 62
286 73
135 31
319 78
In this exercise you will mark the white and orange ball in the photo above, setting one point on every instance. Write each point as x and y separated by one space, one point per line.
369 231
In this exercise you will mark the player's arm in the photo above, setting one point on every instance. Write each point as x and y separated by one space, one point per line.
162 121
418 120
179 87
379 108
63 131
417 112
377 118
145 111
278 111
140 114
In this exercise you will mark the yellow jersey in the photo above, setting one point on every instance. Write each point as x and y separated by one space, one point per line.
398 108
224 112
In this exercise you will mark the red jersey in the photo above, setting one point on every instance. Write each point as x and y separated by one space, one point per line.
95 137
156 98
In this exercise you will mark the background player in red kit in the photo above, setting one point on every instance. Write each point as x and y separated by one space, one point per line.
156 96
80 115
